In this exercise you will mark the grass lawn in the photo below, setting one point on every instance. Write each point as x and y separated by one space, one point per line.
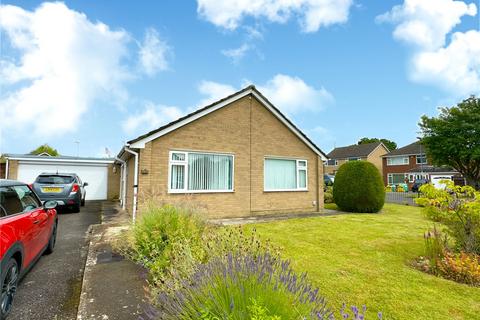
364 259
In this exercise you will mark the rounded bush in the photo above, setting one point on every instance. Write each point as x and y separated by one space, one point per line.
358 187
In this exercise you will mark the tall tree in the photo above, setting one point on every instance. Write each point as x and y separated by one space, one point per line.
391 145
453 138
45 148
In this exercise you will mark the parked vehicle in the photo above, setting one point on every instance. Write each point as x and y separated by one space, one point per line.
27 230
328 179
66 188
418 183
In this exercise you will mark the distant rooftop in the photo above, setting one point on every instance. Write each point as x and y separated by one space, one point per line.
411 149
356 150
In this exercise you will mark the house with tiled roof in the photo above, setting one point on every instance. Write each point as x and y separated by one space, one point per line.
409 163
371 152
237 157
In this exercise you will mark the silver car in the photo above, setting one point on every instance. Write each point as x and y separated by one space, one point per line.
65 188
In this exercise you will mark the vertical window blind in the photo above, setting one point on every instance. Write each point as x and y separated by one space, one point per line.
192 171
285 174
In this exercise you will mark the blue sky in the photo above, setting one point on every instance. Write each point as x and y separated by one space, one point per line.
103 72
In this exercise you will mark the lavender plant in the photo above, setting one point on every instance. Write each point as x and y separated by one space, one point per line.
239 286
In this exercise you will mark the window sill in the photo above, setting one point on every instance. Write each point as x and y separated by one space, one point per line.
287 190
199 191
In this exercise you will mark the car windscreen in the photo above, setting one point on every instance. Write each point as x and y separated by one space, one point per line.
55 179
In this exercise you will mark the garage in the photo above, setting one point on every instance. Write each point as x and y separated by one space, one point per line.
96 171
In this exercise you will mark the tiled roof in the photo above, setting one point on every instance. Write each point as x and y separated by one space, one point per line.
356 150
250 87
412 148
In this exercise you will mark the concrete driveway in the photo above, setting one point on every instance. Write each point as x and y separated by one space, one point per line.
51 290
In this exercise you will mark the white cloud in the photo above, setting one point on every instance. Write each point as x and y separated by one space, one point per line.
292 95
322 134
151 117
213 91
154 53
65 63
427 25
238 53
455 67
312 14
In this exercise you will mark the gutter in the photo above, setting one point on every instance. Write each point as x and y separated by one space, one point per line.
6 169
123 178
135 182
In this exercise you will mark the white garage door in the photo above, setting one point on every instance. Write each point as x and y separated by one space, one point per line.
95 174
437 178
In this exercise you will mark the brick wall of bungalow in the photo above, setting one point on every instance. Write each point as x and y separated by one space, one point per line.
12 169
250 132
2 170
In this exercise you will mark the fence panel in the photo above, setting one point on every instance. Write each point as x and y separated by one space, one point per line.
402 197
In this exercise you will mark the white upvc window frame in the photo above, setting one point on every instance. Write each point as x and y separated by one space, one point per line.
390 177
405 163
423 156
297 169
185 178
332 165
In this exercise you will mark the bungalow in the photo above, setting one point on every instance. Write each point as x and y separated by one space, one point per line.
239 156
371 152
409 163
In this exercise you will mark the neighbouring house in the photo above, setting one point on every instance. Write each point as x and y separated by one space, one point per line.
239 156
102 175
371 152
406 164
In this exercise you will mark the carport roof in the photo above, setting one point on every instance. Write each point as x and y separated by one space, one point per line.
34 157
433 169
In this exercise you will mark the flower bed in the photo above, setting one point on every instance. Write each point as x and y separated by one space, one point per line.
198 271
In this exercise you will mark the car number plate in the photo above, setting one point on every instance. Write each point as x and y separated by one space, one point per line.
52 189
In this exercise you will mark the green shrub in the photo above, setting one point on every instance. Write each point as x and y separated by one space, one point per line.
358 187
166 240
239 241
328 195
458 208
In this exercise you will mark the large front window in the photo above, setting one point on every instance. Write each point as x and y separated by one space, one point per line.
396 178
285 174
200 172
397 161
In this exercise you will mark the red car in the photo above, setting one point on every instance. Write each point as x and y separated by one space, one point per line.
28 229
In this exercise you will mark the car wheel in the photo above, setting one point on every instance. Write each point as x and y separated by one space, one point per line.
76 207
52 241
9 281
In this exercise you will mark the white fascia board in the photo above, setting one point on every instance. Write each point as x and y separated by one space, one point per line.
60 160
